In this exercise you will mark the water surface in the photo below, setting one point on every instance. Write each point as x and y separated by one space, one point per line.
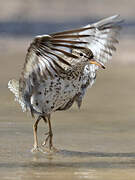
97 142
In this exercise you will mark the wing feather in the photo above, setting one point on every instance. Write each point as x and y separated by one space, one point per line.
47 52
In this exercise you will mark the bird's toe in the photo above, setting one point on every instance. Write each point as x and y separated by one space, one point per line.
36 149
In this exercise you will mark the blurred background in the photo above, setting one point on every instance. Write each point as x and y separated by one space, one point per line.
105 125
21 20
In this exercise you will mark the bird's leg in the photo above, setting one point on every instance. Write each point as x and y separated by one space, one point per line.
50 133
49 136
44 143
35 148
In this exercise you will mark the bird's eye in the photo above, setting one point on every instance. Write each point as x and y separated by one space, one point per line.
81 54
92 56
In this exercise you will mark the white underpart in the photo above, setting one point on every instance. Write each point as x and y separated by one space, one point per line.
61 92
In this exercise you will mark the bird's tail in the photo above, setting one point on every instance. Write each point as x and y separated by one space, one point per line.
13 85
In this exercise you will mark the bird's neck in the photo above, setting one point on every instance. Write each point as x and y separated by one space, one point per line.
75 71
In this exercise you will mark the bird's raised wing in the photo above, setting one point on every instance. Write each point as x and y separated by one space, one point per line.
45 53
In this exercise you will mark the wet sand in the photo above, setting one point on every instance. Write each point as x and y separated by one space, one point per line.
96 142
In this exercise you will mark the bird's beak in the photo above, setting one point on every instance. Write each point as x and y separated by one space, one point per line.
93 61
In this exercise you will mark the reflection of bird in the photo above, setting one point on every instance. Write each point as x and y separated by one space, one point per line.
59 67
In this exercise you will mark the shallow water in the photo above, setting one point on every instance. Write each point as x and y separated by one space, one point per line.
96 142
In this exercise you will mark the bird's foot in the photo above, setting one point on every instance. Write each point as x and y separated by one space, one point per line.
49 151
36 149
51 148
48 138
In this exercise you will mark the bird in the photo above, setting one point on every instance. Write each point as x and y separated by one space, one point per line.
59 68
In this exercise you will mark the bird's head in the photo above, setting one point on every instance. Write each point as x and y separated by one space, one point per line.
86 56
